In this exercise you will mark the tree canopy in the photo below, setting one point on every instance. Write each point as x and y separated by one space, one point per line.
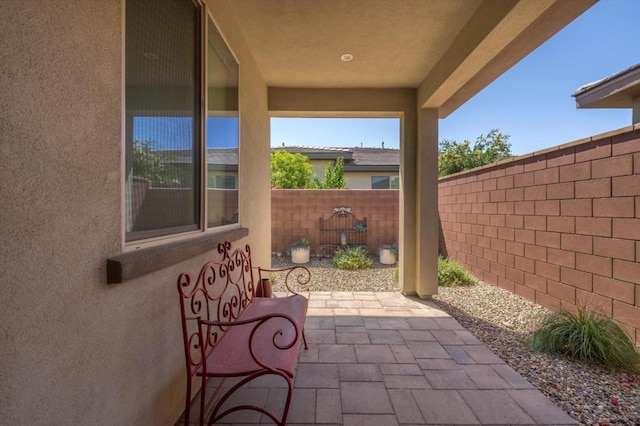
289 171
294 171
333 176
146 163
454 157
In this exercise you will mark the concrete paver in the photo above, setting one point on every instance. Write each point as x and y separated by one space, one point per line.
485 377
337 353
329 406
495 407
365 398
360 373
374 353
405 406
444 407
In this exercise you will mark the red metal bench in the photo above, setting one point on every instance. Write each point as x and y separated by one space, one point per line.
229 332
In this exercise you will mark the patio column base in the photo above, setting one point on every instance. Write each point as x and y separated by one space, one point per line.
425 296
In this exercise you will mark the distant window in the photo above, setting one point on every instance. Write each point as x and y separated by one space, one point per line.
222 182
385 182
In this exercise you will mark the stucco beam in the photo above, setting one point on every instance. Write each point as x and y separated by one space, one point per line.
459 56
293 102
498 35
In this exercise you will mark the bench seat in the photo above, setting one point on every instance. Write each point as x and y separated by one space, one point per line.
232 356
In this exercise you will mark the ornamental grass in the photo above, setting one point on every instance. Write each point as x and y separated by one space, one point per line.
587 337
452 274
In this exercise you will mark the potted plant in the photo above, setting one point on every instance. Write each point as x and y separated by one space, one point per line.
388 254
300 251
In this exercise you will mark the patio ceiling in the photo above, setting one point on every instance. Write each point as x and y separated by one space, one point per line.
446 49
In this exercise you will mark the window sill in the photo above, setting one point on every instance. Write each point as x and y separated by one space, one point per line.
127 266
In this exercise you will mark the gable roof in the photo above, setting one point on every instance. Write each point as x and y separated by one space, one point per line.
615 91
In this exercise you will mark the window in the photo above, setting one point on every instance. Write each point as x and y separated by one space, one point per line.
222 182
385 182
172 153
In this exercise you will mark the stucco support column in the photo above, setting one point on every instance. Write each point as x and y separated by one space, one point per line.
427 204
408 199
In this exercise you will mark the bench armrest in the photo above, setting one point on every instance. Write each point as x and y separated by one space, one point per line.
294 277
280 339
259 319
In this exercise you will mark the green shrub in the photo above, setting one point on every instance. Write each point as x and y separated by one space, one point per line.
396 274
452 274
587 337
352 258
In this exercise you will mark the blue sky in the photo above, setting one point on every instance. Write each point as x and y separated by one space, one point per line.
176 132
531 102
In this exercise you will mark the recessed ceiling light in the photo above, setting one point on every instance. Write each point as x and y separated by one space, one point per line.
346 57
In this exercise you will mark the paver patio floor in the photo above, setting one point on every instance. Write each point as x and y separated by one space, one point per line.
386 359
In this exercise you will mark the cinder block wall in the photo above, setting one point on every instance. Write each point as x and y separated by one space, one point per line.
560 227
295 214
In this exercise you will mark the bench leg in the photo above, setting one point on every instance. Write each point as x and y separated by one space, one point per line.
285 413
216 416
187 406
304 339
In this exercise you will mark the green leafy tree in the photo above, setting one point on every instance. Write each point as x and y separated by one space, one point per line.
454 157
146 163
289 171
333 176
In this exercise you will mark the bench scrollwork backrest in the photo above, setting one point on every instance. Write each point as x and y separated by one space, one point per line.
221 291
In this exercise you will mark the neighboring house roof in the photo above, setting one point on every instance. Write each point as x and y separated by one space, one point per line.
217 158
318 153
355 159
223 156
615 91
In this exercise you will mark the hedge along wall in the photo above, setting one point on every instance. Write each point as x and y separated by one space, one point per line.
560 227
295 213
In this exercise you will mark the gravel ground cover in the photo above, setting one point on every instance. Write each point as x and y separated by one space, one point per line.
326 277
503 321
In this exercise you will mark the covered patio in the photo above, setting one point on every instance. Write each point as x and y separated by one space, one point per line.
90 329
386 359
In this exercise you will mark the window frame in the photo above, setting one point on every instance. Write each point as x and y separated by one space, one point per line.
203 231
224 177
389 178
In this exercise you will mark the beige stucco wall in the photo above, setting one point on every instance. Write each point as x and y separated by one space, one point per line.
354 180
75 350
318 166
362 180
